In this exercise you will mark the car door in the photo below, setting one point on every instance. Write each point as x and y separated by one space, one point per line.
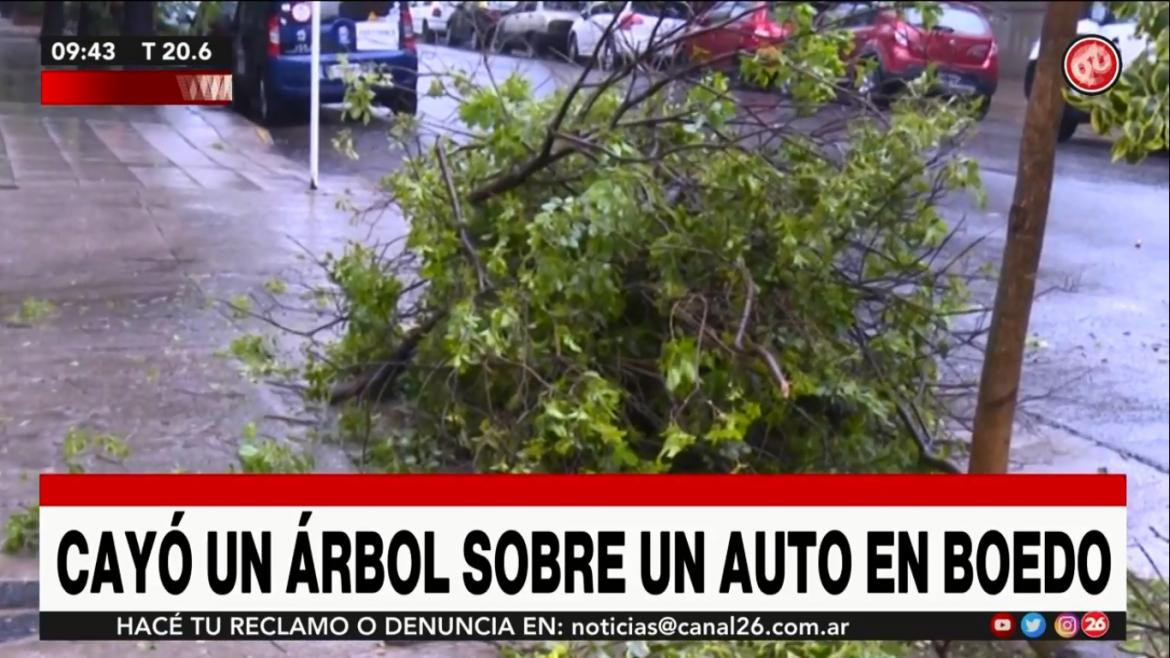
1125 37
600 14
518 19
715 35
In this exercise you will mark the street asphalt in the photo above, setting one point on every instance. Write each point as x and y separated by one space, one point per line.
133 221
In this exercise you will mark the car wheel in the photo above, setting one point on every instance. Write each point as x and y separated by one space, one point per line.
265 105
1068 127
239 94
1029 76
984 107
486 39
427 35
574 51
608 57
873 88
399 101
500 42
451 36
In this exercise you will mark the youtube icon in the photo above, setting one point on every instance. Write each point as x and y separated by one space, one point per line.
1003 625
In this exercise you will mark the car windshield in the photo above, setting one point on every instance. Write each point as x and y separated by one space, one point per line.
953 19
1100 13
357 11
666 9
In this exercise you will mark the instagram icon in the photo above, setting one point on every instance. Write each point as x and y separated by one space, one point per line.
1065 625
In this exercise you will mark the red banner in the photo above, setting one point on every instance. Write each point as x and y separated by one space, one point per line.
608 490
154 87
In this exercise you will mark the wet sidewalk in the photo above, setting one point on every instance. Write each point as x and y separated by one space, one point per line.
120 229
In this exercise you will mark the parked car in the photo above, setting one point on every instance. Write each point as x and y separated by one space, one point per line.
961 45
1097 19
540 26
430 19
474 23
272 42
725 30
639 26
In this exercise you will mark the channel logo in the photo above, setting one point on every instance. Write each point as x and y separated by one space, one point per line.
1095 625
1033 625
1065 625
1002 625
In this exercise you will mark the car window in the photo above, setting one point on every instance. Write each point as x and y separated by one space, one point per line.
848 15
1102 14
357 11
565 6
678 10
604 8
739 10
953 19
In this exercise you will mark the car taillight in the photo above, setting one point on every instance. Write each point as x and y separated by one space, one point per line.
274 35
979 51
406 40
628 21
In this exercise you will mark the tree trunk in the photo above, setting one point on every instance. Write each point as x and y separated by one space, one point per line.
53 19
138 19
999 384
88 17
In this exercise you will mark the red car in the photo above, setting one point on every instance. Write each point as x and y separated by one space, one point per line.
961 45
725 29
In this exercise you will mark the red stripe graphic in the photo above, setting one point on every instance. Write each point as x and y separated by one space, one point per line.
154 87
333 490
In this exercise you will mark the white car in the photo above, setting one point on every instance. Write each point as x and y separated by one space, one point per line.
430 19
639 27
1099 19
541 26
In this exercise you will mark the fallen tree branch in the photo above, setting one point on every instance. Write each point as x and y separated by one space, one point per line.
460 224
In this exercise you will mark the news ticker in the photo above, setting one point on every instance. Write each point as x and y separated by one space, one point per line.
865 557
580 626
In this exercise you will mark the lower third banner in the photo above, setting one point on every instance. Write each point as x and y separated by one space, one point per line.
590 557
136 87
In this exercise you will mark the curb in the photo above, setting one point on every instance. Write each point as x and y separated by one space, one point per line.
19 626
19 595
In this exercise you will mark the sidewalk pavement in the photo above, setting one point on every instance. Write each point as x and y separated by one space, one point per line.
127 225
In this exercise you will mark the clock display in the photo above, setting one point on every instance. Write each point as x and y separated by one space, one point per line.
212 53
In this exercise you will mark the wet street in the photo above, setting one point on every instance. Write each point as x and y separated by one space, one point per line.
126 225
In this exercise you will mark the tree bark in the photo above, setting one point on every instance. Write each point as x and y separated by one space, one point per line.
53 19
999 384
88 17
138 19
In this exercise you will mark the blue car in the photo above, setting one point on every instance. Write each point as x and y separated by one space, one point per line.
272 42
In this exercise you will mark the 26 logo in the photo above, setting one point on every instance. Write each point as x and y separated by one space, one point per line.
1065 625
1092 64
1095 624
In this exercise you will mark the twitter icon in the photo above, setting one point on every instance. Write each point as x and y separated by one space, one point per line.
1032 625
